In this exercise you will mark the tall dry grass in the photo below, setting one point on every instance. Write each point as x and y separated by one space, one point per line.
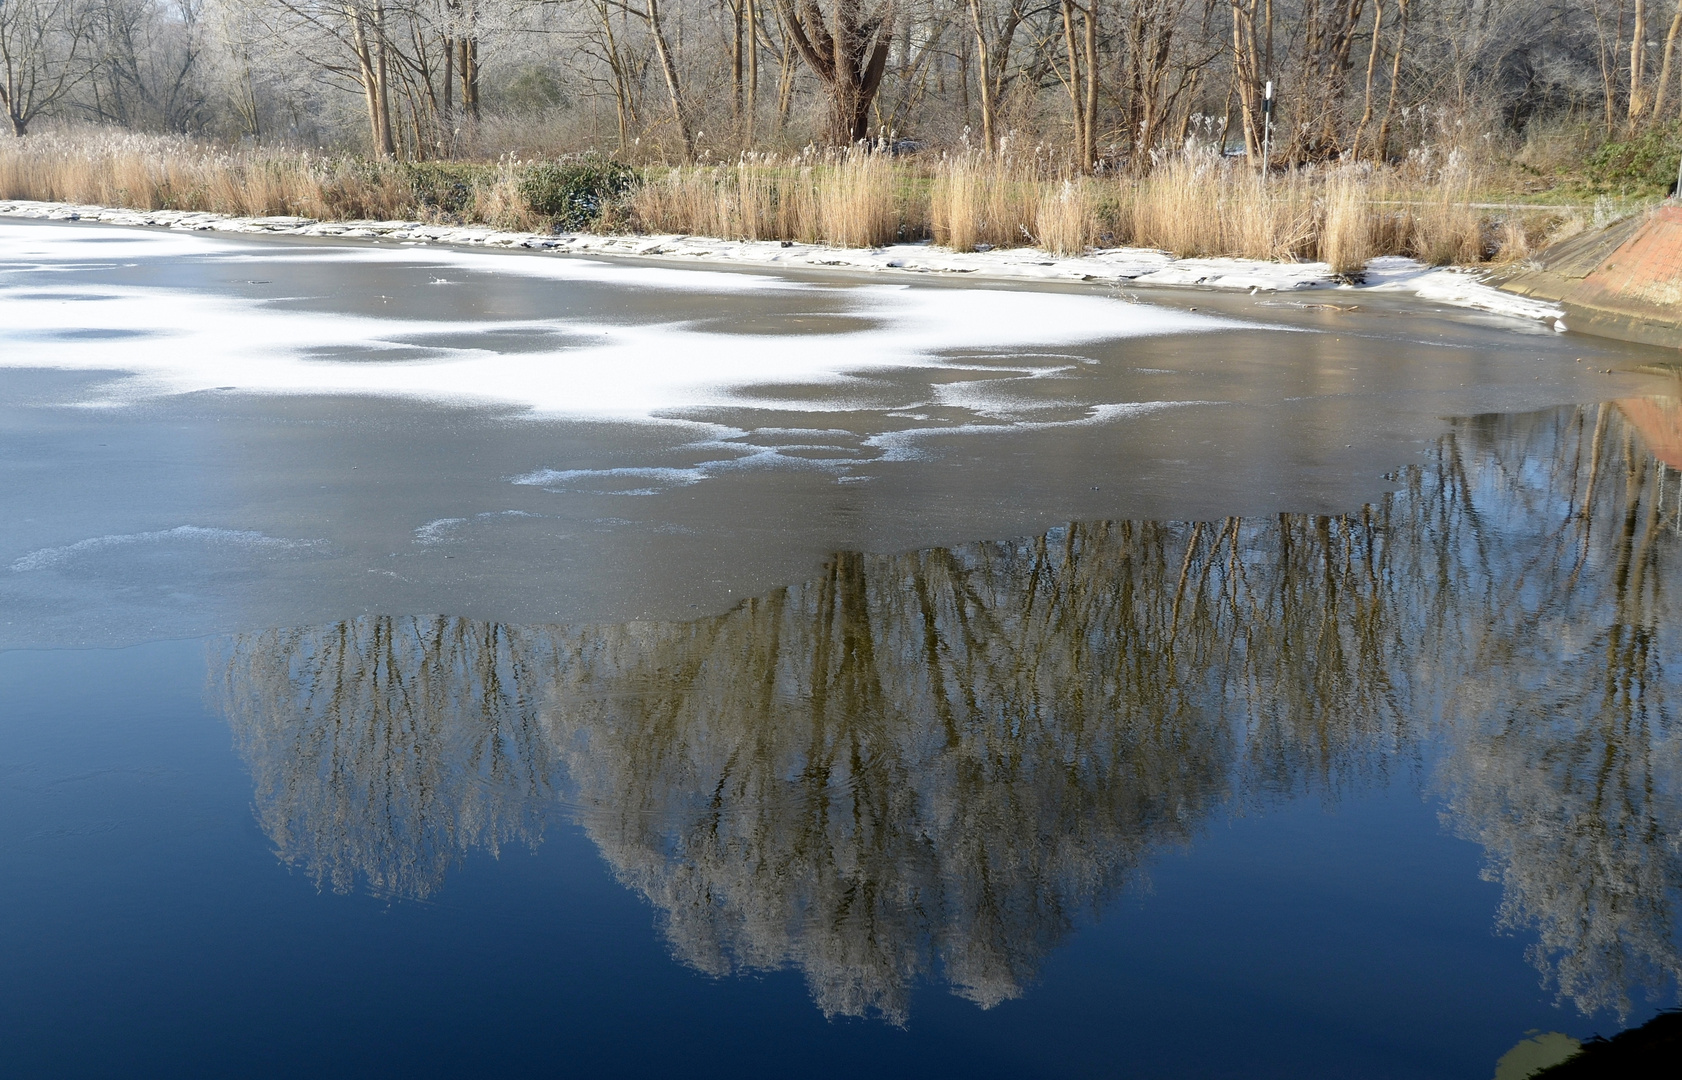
1065 221
150 172
979 200
850 198
1349 233
1446 228
1194 201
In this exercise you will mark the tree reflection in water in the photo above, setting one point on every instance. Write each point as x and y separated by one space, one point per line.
936 763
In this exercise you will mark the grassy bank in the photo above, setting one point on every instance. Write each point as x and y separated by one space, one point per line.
1194 203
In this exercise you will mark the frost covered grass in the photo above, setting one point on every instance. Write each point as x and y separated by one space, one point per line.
1192 203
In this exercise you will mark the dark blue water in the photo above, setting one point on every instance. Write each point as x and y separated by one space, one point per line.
149 930
1370 796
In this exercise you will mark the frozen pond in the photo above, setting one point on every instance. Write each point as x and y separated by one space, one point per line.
426 662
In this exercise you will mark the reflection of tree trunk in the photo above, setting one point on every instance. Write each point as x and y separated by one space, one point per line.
1603 413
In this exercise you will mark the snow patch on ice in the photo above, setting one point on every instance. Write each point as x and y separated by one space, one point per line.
46 558
1454 285
435 532
901 445
187 340
606 481
444 530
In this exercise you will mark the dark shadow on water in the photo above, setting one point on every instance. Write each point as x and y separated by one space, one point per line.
1652 1050
937 765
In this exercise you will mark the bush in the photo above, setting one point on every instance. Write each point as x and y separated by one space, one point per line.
446 188
575 193
1645 165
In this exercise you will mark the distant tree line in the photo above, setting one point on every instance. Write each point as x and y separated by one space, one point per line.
1103 82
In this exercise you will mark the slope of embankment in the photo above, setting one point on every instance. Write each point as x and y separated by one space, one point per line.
1624 281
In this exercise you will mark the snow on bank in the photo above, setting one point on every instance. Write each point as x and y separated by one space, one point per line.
1142 266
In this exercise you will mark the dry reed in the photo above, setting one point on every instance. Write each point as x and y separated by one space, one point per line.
1446 228
1063 221
1193 202
1348 226
1197 204
850 199
146 172
1512 242
979 201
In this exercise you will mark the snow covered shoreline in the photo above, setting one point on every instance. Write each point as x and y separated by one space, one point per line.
1141 266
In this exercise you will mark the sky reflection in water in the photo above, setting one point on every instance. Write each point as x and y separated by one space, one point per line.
936 766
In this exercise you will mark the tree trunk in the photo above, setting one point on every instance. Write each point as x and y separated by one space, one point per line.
1077 99
1664 65
753 66
1637 65
1089 124
449 82
1244 76
785 82
989 137
674 88
467 61
370 64
1372 63
738 59
1150 48
382 83
1382 144
848 51
1608 60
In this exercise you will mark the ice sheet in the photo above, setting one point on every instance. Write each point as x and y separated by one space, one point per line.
177 340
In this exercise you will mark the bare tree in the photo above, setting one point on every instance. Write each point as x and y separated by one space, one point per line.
847 48
995 27
45 54
147 75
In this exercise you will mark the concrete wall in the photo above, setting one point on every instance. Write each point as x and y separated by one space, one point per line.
1622 282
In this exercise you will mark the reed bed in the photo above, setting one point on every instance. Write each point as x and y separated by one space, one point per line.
1065 221
144 172
978 202
850 199
1445 228
1193 202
